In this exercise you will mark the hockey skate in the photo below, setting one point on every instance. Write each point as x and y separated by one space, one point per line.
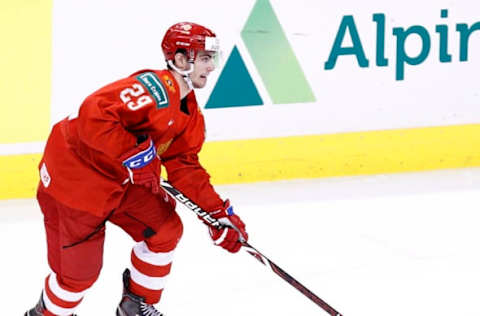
134 305
39 309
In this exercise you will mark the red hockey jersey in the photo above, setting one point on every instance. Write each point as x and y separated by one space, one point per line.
81 165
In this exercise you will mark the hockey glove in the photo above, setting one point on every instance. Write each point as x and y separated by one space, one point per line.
143 165
232 233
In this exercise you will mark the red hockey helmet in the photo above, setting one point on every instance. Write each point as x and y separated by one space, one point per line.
189 37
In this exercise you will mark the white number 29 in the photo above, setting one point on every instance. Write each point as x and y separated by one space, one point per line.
136 91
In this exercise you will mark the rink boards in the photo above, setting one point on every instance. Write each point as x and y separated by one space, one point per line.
303 91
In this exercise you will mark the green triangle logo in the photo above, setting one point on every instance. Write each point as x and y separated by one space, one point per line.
274 57
274 60
235 86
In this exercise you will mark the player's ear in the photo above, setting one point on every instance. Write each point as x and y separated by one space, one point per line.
180 61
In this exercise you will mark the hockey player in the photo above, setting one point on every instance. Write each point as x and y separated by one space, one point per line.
104 165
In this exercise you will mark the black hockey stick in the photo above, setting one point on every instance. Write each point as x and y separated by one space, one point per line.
250 250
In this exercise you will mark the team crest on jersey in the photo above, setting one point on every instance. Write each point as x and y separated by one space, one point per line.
155 87
169 82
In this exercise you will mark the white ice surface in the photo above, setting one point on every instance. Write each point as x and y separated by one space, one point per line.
385 245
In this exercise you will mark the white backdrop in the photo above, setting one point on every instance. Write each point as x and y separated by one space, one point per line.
98 42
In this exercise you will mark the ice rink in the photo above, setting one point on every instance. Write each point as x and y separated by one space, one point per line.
384 245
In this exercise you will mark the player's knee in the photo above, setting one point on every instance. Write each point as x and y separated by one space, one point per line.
167 235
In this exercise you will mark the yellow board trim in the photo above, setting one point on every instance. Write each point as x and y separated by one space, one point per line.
25 63
348 154
19 176
270 159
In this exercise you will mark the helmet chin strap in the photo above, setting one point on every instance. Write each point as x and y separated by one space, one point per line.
185 73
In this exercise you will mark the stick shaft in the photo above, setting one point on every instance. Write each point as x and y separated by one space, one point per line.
289 279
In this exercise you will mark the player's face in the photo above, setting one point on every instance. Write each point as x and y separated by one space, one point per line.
204 64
